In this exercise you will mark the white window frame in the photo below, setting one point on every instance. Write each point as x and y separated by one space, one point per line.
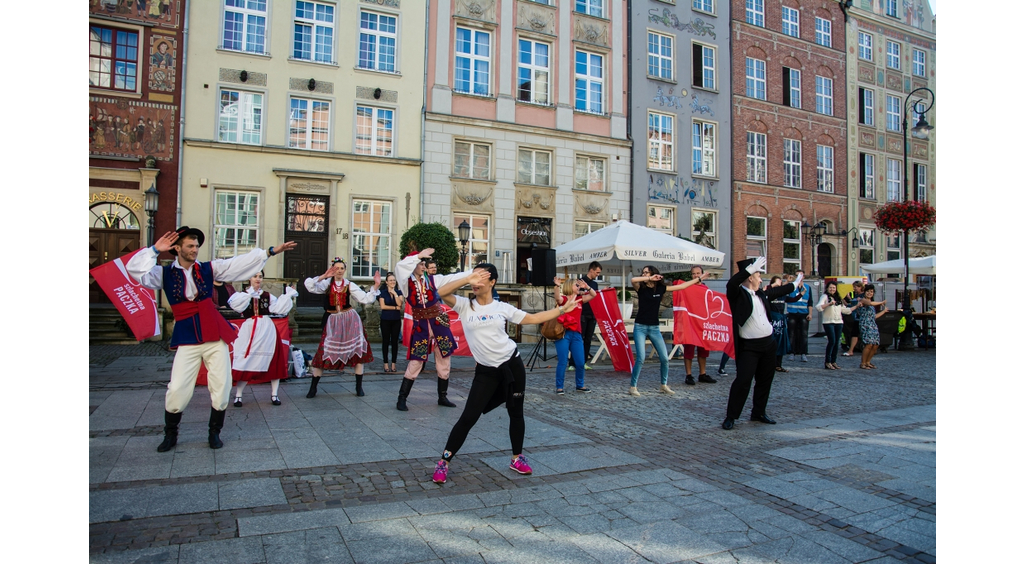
704 73
894 247
712 234
378 38
757 157
759 240
866 244
791 265
756 70
538 74
479 242
307 141
893 180
533 174
471 58
921 182
867 106
381 136
893 113
661 215
867 175
826 169
380 259
250 210
588 227
755 12
474 149
892 8
706 6
588 168
659 56
795 86
865 46
254 105
590 7
823 32
790 25
792 163
316 26
661 141
250 16
893 52
589 81
918 66
704 141
823 95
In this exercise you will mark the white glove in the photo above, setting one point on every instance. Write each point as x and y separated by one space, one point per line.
799 279
759 263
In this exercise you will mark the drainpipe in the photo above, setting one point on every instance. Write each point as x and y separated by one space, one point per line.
629 106
181 110
423 108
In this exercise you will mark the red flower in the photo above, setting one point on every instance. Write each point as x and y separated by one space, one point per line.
895 217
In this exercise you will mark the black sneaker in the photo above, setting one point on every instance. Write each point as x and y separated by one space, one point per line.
706 379
689 380
722 372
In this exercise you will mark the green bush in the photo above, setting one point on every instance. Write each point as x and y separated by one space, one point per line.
432 235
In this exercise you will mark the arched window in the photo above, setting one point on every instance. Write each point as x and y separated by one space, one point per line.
112 216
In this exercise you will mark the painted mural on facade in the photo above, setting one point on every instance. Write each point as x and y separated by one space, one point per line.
130 128
159 12
696 26
163 50
679 190
670 100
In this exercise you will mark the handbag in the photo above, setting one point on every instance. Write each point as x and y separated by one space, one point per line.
552 329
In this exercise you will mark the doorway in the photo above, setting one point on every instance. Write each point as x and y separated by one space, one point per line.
824 260
306 224
113 232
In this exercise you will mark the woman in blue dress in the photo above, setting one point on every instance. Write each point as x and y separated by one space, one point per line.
868 328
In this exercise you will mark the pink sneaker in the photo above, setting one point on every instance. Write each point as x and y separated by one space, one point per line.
441 472
520 465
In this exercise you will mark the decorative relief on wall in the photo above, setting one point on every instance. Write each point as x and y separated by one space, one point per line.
919 150
472 197
163 13
893 144
234 75
590 30
678 190
591 205
131 128
696 26
319 86
696 106
670 100
482 10
535 200
308 186
536 18
389 3
867 139
368 93
865 72
163 50
894 81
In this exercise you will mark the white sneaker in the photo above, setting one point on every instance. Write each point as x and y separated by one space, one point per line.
633 391
803 358
790 358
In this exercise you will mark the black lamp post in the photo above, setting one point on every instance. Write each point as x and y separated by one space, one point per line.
464 230
151 206
814 234
920 131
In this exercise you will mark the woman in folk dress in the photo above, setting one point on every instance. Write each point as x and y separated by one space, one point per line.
258 355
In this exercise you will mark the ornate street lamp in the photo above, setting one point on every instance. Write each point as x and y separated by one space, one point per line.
151 206
921 131
464 230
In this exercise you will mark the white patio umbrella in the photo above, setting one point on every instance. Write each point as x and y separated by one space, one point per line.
920 265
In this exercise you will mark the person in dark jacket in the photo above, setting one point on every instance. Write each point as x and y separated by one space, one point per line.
752 333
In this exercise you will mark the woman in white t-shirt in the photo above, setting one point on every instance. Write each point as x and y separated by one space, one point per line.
500 374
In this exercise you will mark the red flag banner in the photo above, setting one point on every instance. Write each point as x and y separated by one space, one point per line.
613 330
136 303
284 345
702 317
456 327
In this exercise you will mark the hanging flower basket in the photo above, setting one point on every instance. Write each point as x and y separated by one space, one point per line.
897 217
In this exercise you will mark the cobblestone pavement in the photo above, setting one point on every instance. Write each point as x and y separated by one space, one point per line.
848 474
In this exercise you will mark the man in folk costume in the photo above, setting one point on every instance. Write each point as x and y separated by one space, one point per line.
430 325
201 334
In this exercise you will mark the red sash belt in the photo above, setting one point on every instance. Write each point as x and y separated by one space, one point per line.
211 323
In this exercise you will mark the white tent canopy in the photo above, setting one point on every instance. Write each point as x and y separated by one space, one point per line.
622 245
921 265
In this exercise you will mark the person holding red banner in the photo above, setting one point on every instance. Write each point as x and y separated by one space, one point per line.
755 345
572 340
697 271
258 354
343 339
650 290
201 334
500 376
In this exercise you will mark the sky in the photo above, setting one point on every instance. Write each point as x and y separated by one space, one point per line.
935 5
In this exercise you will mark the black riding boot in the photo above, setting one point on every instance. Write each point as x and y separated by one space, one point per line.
403 393
312 386
442 393
216 424
359 385
171 421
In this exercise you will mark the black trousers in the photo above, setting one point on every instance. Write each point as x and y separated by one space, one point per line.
389 331
588 323
755 360
489 386
798 325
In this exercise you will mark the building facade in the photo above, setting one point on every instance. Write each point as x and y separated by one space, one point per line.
135 89
892 54
789 135
681 119
525 127
305 124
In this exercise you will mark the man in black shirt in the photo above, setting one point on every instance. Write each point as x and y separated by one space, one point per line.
587 321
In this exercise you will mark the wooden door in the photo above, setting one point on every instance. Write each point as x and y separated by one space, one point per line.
306 224
106 245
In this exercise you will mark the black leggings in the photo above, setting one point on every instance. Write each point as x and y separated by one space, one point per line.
488 381
389 330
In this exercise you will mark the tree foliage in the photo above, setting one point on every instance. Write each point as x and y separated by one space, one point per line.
432 235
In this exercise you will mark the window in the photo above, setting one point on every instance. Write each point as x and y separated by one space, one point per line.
757 159
472 160
892 55
755 78
791 21
371 238
792 174
921 182
893 243
659 56
867 176
864 46
472 61
893 113
534 167
591 7
823 32
791 243
660 141
755 12
703 66
378 36
479 245
309 124
586 228
826 169
918 66
534 69
113 58
823 95
241 117
705 148
707 6
314 32
867 246
705 228
245 25
893 181
866 106
662 218
589 82
757 237
236 223
891 8
375 131
791 87
589 174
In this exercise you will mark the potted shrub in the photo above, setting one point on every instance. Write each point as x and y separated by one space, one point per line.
627 307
